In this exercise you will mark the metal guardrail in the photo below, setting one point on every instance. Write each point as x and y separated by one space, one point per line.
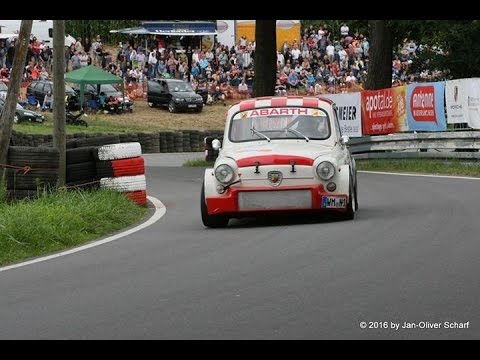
447 145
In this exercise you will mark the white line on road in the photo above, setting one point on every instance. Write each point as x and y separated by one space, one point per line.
160 210
422 175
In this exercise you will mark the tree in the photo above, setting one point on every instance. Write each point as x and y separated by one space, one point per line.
6 118
59 138
380 56
265 57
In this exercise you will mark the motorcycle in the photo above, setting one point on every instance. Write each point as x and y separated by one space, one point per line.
75 119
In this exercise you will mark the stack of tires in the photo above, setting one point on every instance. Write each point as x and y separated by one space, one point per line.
81 166
121 167
40 170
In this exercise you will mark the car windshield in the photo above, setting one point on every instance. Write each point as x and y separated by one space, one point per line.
179 86
280 123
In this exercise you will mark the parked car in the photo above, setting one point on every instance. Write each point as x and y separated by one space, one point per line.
39 88
280 154
22 114
176 94
91 93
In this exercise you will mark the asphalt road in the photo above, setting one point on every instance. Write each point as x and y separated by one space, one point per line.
410 255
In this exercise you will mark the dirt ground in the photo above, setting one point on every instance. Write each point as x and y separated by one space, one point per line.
148 119
143 119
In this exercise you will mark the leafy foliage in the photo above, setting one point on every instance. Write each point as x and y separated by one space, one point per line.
88 29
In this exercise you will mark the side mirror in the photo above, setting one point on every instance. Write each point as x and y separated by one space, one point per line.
344 139
216 144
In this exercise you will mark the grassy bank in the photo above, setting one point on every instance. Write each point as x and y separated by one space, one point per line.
198 163
422 166
142 119
59 221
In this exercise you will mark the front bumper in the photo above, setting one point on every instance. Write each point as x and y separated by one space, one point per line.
229 204
188 106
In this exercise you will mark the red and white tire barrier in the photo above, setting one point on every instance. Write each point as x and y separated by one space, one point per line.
140 197
124 183
119 151
121 168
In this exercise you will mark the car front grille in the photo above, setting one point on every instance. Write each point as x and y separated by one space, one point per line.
275 200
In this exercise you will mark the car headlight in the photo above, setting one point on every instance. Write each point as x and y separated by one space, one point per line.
179 99
28 114
224 173
325 170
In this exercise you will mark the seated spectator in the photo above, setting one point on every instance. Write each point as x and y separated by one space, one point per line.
292 82
283 78
48 101
280 89
243 89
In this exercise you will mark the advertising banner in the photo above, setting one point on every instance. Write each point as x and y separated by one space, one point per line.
473 102
426 106
455 98
384 111
349 112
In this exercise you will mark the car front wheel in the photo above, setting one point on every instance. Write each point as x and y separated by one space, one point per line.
212 221
351 207
16 118
171 107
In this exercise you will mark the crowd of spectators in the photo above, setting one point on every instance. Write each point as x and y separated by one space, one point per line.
320 61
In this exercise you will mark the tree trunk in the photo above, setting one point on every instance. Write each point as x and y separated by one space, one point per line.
380 56
59 138
6 119
265 58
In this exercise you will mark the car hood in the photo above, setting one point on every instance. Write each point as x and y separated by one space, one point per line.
279 152
183 94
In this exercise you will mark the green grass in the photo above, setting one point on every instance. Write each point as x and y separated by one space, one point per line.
198 163
95 125
53 222
422 166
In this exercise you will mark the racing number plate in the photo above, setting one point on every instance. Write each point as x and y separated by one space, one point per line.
334 202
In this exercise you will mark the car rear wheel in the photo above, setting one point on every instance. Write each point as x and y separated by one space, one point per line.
16 118
212 221
171 107
151 104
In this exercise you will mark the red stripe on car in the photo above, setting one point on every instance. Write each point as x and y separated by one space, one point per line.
247 105
309 102
274 160
279 102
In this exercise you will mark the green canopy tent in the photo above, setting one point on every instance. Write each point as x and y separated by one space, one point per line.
92 75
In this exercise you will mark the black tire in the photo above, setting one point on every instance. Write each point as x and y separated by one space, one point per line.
350 214
81 155
81 171
171 107
356 192
151 104
104 168
99 140
16 118
212 221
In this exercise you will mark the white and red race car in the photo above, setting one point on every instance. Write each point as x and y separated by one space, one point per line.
280 154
